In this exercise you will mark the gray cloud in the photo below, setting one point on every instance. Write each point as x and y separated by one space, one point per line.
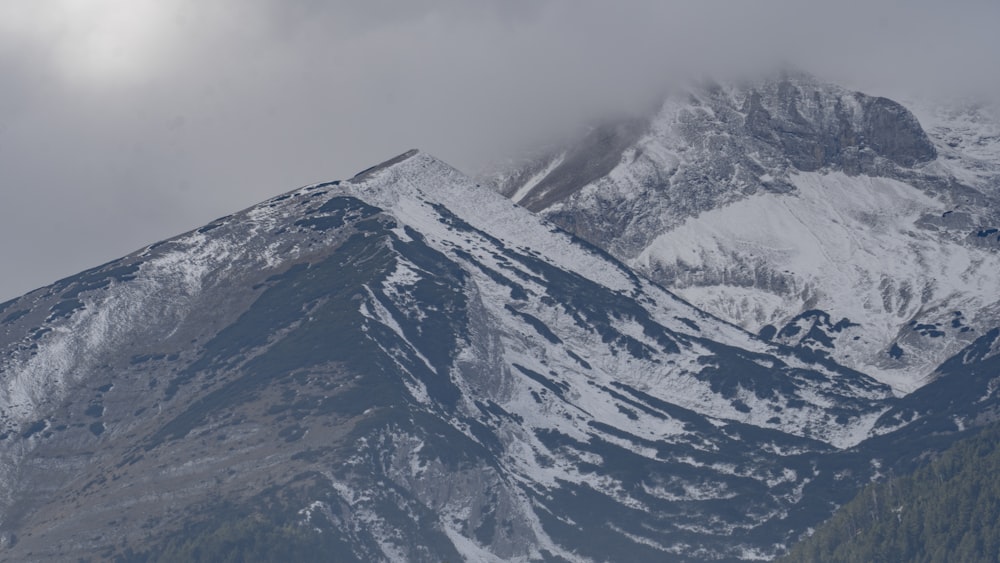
137 119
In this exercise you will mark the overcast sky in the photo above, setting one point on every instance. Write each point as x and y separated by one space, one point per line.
123 122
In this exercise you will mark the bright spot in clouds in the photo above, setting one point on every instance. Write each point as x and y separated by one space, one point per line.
95 41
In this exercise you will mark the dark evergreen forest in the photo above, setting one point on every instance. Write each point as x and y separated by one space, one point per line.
946 511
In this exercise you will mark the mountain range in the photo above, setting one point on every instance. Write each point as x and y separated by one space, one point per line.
688 336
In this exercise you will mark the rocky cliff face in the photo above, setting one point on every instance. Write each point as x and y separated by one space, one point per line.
819 217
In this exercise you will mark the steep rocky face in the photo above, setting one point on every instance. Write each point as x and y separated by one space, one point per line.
816 127
816 216
406 366
726 139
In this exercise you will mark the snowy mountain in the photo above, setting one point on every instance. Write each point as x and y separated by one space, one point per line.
812 215
406 366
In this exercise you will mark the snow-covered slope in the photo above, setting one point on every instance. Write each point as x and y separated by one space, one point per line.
501 239
817 216
967 137
869 251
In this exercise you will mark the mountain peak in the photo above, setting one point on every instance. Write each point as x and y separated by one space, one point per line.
360 176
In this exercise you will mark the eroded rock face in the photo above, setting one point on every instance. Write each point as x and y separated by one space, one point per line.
819 127
761 201
895 133
732 139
